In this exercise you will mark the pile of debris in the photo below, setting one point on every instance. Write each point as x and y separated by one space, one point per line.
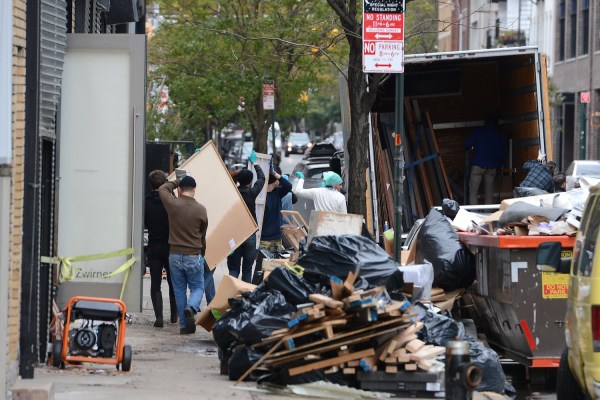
343 314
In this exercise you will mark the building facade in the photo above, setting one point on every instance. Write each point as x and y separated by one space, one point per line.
12 152
577 77
33 39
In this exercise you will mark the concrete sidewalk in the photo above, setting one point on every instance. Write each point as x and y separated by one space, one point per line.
165 365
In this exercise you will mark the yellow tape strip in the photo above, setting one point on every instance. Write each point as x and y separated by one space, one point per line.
67 270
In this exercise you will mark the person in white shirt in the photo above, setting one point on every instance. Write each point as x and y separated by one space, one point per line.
326 198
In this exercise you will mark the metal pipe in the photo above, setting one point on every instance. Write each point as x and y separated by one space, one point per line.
398 164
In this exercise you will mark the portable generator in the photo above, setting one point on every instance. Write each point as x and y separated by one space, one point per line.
94 332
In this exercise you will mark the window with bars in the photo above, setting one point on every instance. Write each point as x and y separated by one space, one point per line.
573 29
585 27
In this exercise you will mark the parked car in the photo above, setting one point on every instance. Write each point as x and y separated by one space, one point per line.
320 150
297 143
578 374
579 168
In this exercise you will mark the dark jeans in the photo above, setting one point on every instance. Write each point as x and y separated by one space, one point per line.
245 254
209 284
156 267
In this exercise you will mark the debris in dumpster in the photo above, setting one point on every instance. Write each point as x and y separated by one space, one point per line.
438 243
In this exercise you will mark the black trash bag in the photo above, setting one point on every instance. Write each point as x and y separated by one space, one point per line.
294 288
240 361
450 208
438 243
439 330
338 255
253 318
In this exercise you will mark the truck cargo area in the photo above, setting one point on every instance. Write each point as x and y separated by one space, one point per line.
446 95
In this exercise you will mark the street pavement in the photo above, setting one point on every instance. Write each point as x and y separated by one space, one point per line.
165 365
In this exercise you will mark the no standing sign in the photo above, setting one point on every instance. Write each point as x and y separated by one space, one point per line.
383 36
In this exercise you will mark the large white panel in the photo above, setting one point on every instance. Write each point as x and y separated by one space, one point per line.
95 159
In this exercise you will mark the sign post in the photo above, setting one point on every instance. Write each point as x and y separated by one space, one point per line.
584 99
269 104
383 36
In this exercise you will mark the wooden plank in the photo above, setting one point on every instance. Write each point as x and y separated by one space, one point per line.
330 362
414 345
348 287
410 367
325 345
424 354
306 330
325 300
437 150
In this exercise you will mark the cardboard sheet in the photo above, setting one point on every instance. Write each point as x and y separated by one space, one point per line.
229 287
229 221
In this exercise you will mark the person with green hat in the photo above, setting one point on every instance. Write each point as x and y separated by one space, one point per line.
326 198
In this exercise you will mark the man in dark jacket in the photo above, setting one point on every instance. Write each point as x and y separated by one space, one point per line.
246 252
188 221
539 175
271 227
157 223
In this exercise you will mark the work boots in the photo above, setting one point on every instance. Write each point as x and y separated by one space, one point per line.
157 304
173 305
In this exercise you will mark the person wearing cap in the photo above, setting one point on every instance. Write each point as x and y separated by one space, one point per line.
246 252
271 236
188 221
157 223
326 198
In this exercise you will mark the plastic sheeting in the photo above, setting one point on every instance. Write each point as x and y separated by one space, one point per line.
438 243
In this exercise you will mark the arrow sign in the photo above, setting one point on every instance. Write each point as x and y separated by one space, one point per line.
388 36
383 65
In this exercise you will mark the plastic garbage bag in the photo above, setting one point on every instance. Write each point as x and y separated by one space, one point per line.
439 329
253 318
294 288
438 243
240 361
450 208
338 255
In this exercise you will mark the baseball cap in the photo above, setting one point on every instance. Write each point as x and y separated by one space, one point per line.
187 181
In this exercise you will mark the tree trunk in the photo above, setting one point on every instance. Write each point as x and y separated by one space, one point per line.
361 97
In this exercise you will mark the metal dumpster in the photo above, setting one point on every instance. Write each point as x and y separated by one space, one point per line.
520 309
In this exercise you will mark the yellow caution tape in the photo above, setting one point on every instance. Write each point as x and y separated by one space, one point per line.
67 271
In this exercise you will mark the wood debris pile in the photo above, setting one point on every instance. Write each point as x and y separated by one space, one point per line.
351 333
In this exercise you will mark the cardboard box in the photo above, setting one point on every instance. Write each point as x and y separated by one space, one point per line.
324 223
229 287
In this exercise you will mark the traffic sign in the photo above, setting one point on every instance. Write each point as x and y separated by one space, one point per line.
383 36
268 95
584 97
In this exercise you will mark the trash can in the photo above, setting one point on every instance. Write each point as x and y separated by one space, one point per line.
520 310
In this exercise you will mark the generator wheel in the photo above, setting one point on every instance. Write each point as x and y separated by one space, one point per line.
126 362
56 353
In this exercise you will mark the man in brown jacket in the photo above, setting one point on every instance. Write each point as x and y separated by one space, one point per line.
187 240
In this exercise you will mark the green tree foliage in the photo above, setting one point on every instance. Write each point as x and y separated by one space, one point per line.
214 55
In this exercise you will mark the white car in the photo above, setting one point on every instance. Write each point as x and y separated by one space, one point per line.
579 168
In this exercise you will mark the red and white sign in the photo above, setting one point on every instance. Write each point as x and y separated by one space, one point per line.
383 37
268 96
584 97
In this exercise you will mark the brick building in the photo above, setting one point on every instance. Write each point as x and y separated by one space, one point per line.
12 150
33 39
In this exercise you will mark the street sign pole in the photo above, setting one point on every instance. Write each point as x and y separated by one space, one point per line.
398 165
269 104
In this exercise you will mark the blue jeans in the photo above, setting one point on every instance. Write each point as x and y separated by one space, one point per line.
187 271
209 284
247 252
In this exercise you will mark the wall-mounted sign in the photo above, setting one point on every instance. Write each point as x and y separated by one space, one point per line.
383 36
